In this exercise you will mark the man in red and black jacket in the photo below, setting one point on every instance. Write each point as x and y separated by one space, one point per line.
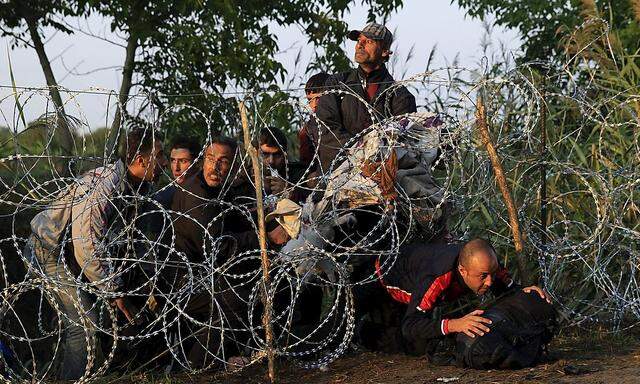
426 276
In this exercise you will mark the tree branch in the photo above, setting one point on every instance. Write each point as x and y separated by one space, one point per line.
63 131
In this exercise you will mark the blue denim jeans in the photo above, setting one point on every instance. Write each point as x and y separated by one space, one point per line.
48 264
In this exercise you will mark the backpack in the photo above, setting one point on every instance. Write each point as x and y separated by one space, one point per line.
522 326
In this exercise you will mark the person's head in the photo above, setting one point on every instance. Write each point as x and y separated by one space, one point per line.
142 152
273 147
183 153
373 45
477 265
314 87
218 160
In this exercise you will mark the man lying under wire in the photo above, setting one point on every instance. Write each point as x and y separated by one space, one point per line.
426 277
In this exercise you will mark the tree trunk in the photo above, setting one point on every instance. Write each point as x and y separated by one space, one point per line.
501 180
62 132
123 96
262 237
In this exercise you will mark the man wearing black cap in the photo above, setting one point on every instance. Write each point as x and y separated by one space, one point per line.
343 116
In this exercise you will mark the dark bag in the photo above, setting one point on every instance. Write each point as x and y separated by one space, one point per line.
522 326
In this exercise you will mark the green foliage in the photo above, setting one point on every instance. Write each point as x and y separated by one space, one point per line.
199 52
588 107
205 52
540 22
14 13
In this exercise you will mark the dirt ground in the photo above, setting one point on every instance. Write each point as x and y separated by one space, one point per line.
578 357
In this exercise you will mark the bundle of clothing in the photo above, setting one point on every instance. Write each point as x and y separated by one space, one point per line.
389 167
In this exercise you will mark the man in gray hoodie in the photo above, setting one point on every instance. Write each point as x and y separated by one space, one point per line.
72 241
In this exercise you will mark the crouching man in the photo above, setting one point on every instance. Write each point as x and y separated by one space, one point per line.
428 276
215 236
71 243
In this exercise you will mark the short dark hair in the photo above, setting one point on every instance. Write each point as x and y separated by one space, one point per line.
189 143
316 83
388 57
138 141
273 137
473 246
225 140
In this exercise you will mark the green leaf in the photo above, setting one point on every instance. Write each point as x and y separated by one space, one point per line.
15 91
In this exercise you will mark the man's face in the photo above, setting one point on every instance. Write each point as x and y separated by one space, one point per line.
218 159
273 157
479 274
312 98
181 160
368 51
153 163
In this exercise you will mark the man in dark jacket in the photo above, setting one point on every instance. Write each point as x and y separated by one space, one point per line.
155 219
272 146
427 276
204 205
210 206
184 152
282 177
313 90
213 227
343 116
